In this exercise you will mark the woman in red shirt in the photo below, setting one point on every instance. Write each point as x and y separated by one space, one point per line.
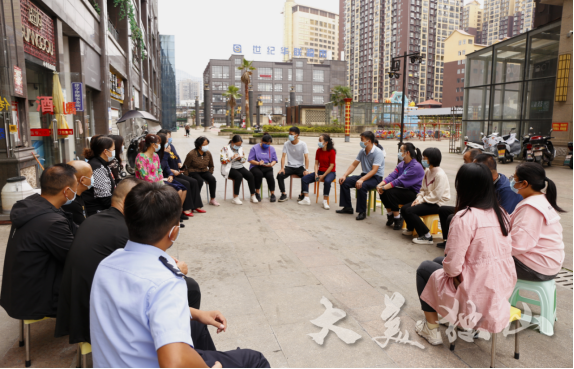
324 170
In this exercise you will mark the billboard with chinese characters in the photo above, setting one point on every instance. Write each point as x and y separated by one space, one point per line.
38 34
117 87
296 52
18 81
78 95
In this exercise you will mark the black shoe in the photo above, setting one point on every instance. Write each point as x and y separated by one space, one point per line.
441 245
301 197
398 224
361 216
345 210
272 198
181 225
183 217
283 197
390 220
258 196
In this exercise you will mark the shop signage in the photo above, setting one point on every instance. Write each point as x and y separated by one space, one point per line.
560 127
46 106
297 51
18 81
40 132
78 95
4 104
47 132
13 128
38 33
117 87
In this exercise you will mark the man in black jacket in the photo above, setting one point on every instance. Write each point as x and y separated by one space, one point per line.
40 238
98 237
84 175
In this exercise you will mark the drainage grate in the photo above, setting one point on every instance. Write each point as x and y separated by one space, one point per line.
564 278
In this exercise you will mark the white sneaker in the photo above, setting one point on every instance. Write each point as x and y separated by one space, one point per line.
406 232
422 240
326 205
254 199
305 201
236 201
431 335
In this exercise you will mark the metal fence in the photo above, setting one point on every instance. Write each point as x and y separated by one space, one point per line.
384 115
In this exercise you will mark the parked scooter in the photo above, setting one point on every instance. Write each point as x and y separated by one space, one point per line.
542 149
568 160
508 147
527 146
133 150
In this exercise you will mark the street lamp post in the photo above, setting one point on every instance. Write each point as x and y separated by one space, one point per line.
395 67
197 111
259 103
206 107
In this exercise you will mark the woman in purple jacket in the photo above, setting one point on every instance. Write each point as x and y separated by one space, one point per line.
402 185
262 158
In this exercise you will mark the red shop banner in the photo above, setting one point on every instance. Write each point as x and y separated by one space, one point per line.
46 132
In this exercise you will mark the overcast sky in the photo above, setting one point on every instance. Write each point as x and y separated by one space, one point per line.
208 29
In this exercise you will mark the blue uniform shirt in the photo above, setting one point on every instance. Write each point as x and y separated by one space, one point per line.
375 157
137 305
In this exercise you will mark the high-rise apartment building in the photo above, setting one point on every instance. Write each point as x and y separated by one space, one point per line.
310 28
503 19
188 89
472 19
378 30
523 16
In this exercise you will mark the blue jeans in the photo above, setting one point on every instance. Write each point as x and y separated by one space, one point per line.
309 178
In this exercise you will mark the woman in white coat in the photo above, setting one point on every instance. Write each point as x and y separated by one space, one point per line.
232 158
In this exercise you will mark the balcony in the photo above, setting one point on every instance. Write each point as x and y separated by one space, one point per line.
113 31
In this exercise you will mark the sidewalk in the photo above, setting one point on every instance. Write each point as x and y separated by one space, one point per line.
266 267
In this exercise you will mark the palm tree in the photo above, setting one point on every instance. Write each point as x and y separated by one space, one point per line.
232 94
338 96
247 69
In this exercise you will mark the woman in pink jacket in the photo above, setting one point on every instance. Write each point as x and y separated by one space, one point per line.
475 279
537 245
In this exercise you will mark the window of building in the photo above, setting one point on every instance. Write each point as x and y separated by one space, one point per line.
277 110
216 71
217 98
265 87
289 74
299 64
267 99
318 89
298 99
220 86
298 88
278 74
238 75
299 75
318 76
318 100
265 73
237 61
277 99
278 87
265 110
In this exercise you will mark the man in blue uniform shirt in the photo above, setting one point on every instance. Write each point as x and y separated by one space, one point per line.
139 313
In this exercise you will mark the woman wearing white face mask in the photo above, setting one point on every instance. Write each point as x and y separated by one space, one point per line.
198 164
537 244
100 153
232 158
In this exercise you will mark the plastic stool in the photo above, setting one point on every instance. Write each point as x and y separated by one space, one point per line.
431 222
316 190
25 337
371 196
84 348
546 292
261 190
225 190
291 183
515 315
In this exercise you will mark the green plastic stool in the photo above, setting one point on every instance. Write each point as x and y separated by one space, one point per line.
546 292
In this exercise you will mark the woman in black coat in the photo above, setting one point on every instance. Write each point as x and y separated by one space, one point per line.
99 155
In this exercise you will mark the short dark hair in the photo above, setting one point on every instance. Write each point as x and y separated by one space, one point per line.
57 177
150 210
164 131
535 175
369 135
266 138
433 155
199 142
473 154
295 130
487 160
124 187
235 139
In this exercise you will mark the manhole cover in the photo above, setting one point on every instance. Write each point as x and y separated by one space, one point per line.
564 278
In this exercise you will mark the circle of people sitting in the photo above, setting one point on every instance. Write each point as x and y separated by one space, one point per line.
91 249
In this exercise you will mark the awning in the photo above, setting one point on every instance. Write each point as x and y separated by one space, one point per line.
132 114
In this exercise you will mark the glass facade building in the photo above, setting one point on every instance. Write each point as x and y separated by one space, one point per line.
168 84
511 84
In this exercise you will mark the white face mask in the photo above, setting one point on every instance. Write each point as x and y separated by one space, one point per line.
205 148
171 231
110 158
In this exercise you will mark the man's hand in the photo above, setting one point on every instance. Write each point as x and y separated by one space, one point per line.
170 179
321 178
282 171
213 317
217 365
182 266
180 165
342 179
305 173
176 172
359 184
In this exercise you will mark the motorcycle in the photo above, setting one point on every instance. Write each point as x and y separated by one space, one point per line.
508 147
542 149
132 153
527 146
568 160
470 145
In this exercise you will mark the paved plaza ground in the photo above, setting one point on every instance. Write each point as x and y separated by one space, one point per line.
266 267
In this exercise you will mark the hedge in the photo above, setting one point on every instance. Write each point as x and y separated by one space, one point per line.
236 131
281 134
318 129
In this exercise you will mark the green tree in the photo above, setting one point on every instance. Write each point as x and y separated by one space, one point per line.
232 94
338 96
247 68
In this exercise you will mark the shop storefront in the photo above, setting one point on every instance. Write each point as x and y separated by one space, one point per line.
511 84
